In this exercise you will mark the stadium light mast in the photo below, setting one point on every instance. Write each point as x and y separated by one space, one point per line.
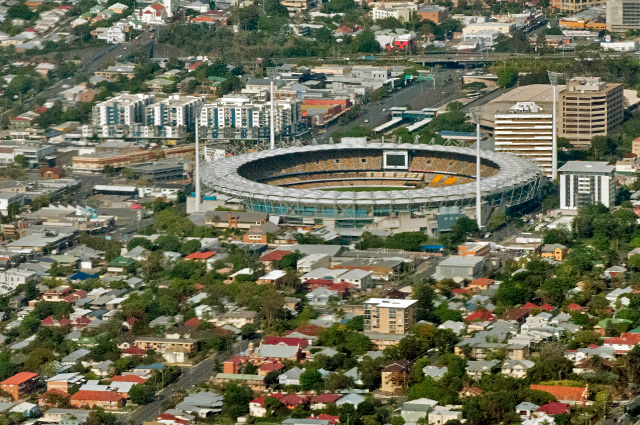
553 79
476 115
272 130
197 157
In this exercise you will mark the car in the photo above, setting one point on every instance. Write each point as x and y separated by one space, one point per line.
366 121
384 110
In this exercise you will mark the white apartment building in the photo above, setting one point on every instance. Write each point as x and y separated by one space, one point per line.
400 10
175 111
526 130
586 183
125 109
239 117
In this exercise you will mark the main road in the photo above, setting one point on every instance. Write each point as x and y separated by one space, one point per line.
191 377
425 94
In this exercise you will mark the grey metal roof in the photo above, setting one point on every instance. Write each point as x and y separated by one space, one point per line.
586 167
223 176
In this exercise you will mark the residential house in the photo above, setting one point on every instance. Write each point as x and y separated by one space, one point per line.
435 372
477 368
516 368
554 251
108 400
395 376
441 415
291 377
415 410
575 396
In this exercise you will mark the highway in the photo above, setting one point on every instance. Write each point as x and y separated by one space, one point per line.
191 377
417 96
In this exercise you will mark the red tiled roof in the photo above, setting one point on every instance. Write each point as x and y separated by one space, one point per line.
563 393
460 291
200 255
626 338
575 307
483 281
283 340
474 391
157 7
310 330
325 398
547 307
483 315
292 400
269 367
326 417
319 282
199 286
134 351
194 322
19 378
260 400
96 396
529 306
275 255
555 408
48 321
54 391
137 379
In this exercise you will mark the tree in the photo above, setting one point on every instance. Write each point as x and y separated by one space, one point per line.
40 202
168 243
21 11
143 242
235 401
190 246
100 417
507 77
275 8
425 295
311 380
13 210
365 42
108 170
141 394
21 160
337 6
634 262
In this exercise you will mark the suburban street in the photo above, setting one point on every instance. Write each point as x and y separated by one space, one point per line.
191 376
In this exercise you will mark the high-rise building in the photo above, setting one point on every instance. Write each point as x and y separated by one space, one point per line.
239 117
623 15
125 109
389 316
526 130
589 107
586 183
175 111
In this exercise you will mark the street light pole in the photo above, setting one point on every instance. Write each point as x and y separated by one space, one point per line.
476 114
553 79
272 133
197 157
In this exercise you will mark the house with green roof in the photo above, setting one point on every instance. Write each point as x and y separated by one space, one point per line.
120 264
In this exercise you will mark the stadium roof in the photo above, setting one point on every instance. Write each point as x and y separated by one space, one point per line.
223 176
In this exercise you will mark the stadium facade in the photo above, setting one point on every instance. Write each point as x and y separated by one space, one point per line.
375 185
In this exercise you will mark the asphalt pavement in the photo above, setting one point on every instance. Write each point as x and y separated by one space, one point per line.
190 378
417 96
